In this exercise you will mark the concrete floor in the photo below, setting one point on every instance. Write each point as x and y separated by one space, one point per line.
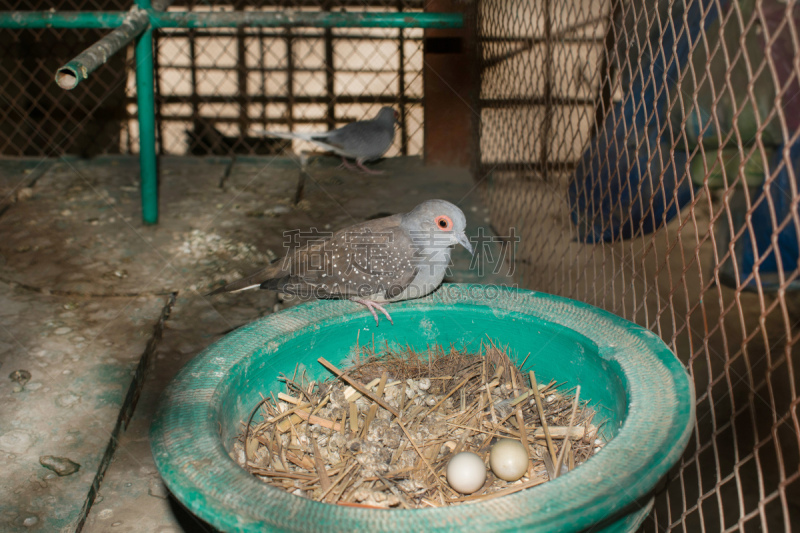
103 311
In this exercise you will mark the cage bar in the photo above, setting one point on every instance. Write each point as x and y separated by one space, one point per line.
145 96
266 19
70 75
128 25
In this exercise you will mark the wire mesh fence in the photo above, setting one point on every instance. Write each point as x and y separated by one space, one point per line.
647 154
215 88
37 118
221 86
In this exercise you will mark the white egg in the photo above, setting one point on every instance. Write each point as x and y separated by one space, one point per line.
466 472
508 459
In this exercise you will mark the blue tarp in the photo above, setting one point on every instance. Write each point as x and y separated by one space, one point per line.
631 180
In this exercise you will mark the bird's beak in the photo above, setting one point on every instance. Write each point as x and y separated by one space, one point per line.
463 240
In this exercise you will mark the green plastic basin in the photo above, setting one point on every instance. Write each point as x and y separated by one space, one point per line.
626 372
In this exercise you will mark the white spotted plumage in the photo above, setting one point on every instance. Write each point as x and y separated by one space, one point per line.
384 260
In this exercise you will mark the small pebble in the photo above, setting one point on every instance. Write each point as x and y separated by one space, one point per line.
30 521
24 193
20 376
277 210
60 465
63 330
157 490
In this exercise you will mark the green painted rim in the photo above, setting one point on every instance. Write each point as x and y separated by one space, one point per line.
617 482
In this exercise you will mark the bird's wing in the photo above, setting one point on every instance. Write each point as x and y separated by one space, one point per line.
365 140
373 257
321 139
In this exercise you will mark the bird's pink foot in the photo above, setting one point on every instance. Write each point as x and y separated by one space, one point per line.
348 166
360 165
374 305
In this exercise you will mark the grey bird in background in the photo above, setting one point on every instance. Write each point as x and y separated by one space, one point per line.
363 140
389 259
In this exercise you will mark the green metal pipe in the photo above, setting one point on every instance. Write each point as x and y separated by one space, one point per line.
148 167
19 20
77 70
264 19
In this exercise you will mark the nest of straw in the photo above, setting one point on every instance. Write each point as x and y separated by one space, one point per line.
380 433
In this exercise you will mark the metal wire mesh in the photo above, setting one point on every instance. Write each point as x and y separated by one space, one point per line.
647 155
215 88
39 119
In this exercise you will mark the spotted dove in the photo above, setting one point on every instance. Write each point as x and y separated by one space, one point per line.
399 257
363 140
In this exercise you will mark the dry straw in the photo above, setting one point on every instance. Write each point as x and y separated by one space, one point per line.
380 433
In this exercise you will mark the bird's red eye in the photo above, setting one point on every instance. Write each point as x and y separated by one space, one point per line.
444 222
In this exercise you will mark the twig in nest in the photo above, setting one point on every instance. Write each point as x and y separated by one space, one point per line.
542 417
358 386
567 442
409 413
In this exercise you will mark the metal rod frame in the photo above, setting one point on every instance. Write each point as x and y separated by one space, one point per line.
70 75
18 20
138 24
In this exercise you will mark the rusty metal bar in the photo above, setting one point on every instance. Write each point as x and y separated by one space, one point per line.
499 103
70 75
548 38
300 99
401 92
547 97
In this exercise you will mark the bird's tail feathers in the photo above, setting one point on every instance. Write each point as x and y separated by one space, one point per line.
311 137
252 281
274 284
